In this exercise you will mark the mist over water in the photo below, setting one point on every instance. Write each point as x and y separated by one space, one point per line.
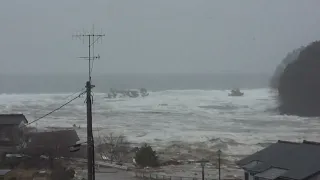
46 83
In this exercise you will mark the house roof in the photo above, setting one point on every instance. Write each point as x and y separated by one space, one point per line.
271 173
301 160
12 119
55 143
4 171
53 138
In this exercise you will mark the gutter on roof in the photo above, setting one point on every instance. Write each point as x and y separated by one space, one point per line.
314 174
282 177
310 142
253 166
252 172
288 142
280 168
256 172
271 173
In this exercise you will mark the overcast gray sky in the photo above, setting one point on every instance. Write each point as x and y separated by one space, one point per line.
160 36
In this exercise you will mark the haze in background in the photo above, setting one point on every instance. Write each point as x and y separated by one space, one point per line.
153 82
155 36
199 45
163 37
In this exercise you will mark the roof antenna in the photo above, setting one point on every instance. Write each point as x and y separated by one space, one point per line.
92 39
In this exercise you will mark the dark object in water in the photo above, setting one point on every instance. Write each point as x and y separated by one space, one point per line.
236 92
144 92
127 93
299 84
171 162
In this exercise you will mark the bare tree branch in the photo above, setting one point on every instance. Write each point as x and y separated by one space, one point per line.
112 147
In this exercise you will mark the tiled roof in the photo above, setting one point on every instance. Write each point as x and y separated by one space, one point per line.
12 119
301 160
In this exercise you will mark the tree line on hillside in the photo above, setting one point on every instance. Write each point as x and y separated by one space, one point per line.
297 81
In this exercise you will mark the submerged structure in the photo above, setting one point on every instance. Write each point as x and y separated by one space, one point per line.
12 132
53 143
132 93
236 92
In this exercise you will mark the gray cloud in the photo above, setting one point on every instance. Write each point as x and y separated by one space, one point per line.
161 36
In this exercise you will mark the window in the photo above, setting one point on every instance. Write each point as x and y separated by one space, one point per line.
246 176
5 134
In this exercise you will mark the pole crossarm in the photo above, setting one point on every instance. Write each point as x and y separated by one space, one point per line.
92 39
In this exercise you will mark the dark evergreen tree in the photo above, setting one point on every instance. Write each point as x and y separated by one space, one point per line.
146 156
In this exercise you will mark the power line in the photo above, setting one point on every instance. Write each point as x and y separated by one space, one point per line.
56 109
67 97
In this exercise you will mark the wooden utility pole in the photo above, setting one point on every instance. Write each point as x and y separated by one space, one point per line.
92 39
219 163
90 142
203 164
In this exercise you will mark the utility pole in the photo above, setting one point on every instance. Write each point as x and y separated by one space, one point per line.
203 164
219 163
92 39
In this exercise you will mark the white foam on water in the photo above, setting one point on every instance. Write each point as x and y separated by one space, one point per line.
189 116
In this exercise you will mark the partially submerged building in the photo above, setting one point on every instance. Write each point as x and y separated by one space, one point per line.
33 155
12 136
284 161
52 143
